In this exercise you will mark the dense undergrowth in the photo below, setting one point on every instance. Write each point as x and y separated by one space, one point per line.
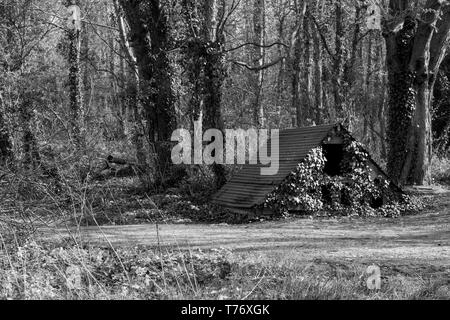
441 169
35 271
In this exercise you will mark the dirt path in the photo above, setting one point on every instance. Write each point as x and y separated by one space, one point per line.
419 239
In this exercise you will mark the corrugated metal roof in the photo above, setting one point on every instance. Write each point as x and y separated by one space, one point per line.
248 187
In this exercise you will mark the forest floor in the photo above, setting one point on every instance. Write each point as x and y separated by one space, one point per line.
422 238
416 244
178 257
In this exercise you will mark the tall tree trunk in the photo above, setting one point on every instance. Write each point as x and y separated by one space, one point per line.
296 63
367 108
161 114
338 63
381 88
281 82
204 65
6 154
215 74
194 55
133 105
318 70
116 106
350 69
75 95
149 33
258 57
31 157
414 54
87 82
307 74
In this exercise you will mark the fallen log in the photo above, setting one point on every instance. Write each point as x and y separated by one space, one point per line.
118 161
116 168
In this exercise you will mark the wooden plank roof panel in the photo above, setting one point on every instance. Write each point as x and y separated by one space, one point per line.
248 187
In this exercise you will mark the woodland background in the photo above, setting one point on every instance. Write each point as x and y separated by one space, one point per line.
136 70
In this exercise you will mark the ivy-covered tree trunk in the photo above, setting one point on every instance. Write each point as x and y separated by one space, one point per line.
75 86
204 64
87 83
149 38
5 142
162 116
416 45
194 53
215 73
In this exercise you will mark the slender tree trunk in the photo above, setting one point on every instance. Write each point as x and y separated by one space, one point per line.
114 94
75 96
296 65
133 105
6 154
381 88
369 65
281 83
86 75
258 57
368 107
307 74
352 64
424 138
29 145
350 70
338 63
318 70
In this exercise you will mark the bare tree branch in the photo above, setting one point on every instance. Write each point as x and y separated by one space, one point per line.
440 40
258 68
322 36
258 45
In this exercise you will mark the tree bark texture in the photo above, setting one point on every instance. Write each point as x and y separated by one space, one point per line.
75 86
258 57
6 154
416 46
296 63
134 123
149 38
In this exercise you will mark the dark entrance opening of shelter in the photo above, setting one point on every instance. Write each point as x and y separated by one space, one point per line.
334 154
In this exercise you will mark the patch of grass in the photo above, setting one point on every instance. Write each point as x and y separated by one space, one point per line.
332 280
35 271
441 170
71 271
